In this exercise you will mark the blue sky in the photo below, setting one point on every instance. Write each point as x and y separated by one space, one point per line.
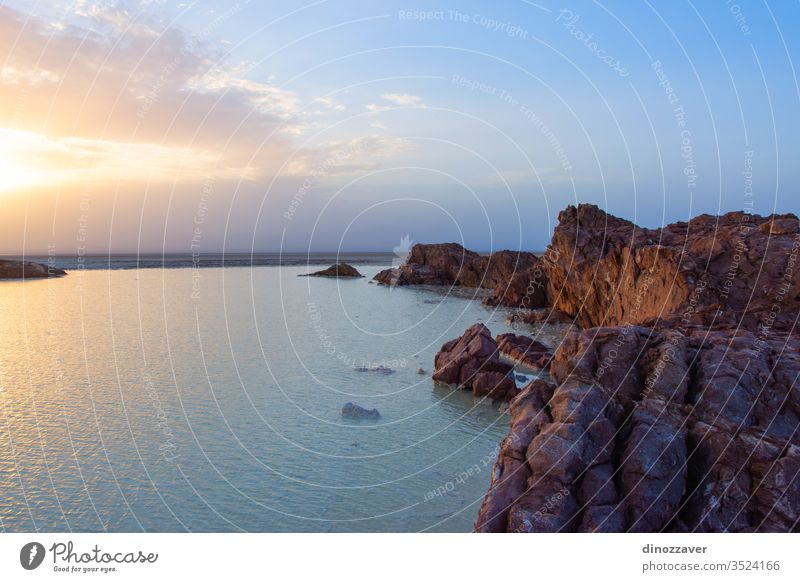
346 124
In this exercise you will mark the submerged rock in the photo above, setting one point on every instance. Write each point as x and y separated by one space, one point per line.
10 269
351 410
339 271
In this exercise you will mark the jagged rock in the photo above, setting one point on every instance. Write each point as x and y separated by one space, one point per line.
523 290
540 316
351 410
10 269
714 270
654 430
524 350
452 264
339 270
459 360
494 385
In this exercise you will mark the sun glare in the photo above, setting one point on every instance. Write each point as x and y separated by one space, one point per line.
13 174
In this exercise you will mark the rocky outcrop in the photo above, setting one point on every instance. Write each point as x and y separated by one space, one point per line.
524 350
351 410
523 290
452 264
498 386
10 269
470 358
678 408
339 270
716 271
651 431
541 316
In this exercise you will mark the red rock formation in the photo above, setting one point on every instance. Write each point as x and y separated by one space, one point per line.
730 269
524 350
654 431
452 264
495 385
523 290
462 359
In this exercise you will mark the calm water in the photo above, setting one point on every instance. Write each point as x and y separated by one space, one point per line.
209 400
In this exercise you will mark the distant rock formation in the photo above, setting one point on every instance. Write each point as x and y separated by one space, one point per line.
339 271
452 264
10 269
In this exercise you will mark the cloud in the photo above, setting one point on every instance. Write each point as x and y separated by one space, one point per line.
121 81
403 99
360 154
397 100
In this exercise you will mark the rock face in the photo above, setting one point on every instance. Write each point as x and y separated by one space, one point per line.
473 362
452 264
27 270
523 289
524 350
339 270
714 270
351 410
654 431
678 408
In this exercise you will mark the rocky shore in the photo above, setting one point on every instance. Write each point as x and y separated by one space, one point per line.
672 406
11 269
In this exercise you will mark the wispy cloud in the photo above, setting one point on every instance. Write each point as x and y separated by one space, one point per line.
346 157
396 100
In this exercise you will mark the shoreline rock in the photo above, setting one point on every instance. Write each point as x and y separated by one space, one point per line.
472 362
12 269
690 432
676 409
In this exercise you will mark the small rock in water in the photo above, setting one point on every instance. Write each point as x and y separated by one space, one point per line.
339 270
521 378
351 410
380 369
421 371
354 444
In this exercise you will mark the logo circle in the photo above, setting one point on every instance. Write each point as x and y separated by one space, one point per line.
31 555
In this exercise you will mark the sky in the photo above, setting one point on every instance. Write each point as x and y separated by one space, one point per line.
152 126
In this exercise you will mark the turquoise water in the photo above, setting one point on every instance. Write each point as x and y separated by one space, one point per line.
209 400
